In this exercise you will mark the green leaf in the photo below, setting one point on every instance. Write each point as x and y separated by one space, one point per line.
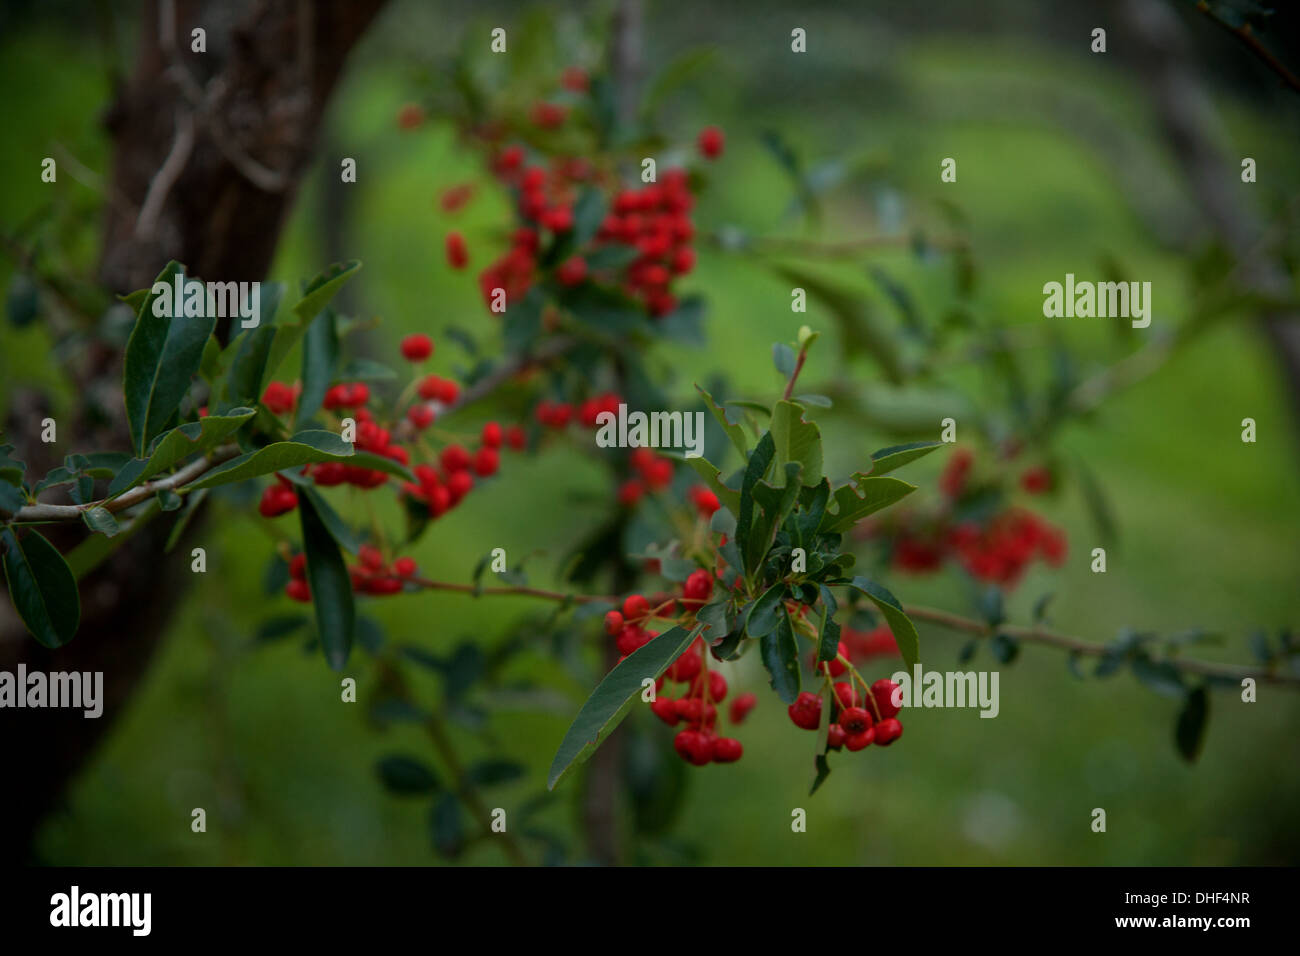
1189 733
909 643
179 443
780 654
42 587
783 358
1005 648
487 773
755 469
896 456
865 496
11 498
829 648
609 702
1161 676
407 775
306 447
797 440
334 524
317 295
192 502
447 825
331 587
320 359
99 519
365 370
763 613
1099 509
823 771
162 357
734 432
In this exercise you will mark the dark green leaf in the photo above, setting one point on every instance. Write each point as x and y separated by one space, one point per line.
407 775
1189 734
780 653
42 587
306 447
1004 647
485 773
896 456
178 444
797 440
320 360
764 614
864 497
447 826
904 631
609 702
331 586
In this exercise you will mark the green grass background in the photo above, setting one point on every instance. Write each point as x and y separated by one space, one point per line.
1210 525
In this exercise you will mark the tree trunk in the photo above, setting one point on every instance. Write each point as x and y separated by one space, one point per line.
208 151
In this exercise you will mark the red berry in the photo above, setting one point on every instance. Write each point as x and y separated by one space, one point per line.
741 706
1036 480
277 500
613 623
516 438
486 462
299 591
855 720
686 667
454 458
883 693
410 116
666 710
279 398
459 485
856 742
370 556
421 416
683 260
571 271
887 731
806 711
711 142
630 492
298 567
405 567
635 607
727 750
698 586
847 695
417 348
835 737
694 747
457 252
491 436
574 78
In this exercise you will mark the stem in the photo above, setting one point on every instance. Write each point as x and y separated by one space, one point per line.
798 367
502 591
1076 645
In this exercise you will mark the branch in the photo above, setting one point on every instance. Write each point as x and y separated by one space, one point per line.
200 466
516 591
1251 42
1038 635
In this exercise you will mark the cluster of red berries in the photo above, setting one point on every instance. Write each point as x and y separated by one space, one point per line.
856 721
653 473
864 645
370 575
997 549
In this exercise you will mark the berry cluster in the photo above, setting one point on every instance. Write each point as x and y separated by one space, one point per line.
996 547
370 575
857 720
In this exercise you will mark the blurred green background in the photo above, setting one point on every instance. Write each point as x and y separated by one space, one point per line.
1209 525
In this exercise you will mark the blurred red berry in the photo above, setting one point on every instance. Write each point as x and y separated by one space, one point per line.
417 347
711 142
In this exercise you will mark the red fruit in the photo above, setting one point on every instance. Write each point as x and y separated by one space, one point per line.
629 639
856 742
741 706
711 142
882 691
887 731
298 567
358 394
454 458
457 251
574 78
683 260
456 197
1036 480
806 711
727 750
630 492
666 710
572 270
330 473
491 436
548 115
405 567
370 557
613 623
690 709
459 485
439 500
409 116
558 219
299 591
635 607
835 737
278 398
486 462
511 158
855 720
847 695
706 502
694 747
421 416
446 391
659 473
717 687
698 586
516 438
836 665
277 500
686 667
417 347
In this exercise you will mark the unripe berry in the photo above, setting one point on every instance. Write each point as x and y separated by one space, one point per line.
883 692
887 731
417 347
727 750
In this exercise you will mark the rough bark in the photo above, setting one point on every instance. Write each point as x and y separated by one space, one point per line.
208 152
